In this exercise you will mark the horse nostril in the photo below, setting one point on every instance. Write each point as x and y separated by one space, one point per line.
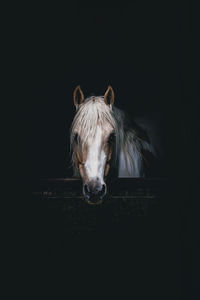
103 191
86 190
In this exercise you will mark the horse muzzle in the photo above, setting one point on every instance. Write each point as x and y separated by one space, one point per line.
94 191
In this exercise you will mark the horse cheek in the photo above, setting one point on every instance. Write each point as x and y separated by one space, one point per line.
110 153
83 173
107 168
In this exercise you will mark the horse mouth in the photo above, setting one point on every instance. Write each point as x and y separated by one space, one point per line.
94 201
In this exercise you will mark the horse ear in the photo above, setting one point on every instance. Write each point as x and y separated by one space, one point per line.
109 96
78 96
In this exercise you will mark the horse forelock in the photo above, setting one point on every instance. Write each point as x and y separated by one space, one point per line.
92 113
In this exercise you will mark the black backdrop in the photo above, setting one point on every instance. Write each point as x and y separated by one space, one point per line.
143 50
140 49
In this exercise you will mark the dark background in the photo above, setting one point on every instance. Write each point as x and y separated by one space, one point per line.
145 51
140 49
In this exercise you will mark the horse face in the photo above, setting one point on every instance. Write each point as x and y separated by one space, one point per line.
92 155
93 162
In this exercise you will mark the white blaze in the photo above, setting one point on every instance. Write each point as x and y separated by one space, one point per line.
96 157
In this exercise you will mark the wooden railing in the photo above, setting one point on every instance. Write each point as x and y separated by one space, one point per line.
60 200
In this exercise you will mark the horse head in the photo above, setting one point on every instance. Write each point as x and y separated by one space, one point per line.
93 141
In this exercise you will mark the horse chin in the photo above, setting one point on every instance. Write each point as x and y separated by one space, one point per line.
94 201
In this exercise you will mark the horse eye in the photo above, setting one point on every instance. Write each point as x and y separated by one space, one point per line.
111 138
76 138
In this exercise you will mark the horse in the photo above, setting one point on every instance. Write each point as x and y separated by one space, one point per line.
102 138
